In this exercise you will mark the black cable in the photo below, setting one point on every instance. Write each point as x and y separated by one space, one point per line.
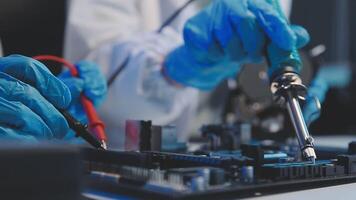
174 16
118 70
170 19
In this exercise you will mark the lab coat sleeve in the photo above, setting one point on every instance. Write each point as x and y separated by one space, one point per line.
92 23
141 91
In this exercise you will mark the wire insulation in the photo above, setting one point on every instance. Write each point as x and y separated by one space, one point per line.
95 123
73 70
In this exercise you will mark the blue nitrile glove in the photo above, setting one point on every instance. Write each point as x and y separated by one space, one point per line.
91 82
225 35
28 94
326 78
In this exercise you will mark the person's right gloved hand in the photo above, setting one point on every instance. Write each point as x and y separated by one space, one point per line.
327 77
29 94
225 35
91 82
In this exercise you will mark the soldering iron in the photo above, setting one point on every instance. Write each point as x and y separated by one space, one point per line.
288 89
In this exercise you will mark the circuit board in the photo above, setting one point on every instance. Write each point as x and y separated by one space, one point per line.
252 170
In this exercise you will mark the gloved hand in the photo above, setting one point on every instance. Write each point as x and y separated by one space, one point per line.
28 94
91 82
225 35
326 78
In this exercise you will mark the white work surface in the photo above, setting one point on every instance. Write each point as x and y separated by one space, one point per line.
340 192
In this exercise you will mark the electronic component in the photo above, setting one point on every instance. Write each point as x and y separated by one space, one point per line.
138 135
141 135
254 168
352 148
226 136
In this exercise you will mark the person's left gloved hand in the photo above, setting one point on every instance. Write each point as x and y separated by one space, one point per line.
91 82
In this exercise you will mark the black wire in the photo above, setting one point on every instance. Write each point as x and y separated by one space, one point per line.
166 23
118 70
174 16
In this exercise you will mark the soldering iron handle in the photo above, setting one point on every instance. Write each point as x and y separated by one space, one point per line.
281 61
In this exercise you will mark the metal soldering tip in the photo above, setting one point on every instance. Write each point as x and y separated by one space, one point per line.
309 154
312 159
103 145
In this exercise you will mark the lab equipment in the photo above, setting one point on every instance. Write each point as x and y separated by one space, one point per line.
287 87
81 130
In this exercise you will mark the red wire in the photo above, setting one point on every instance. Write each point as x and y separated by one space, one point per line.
73 70
95 123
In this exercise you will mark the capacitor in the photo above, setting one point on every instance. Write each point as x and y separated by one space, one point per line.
247 174
205 173
197 184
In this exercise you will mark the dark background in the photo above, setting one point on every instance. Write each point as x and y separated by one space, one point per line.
33 27
322 20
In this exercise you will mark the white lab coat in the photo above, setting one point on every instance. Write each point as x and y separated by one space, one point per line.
107 31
